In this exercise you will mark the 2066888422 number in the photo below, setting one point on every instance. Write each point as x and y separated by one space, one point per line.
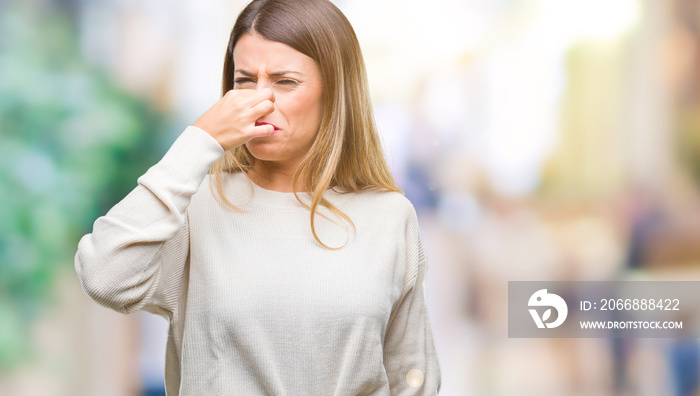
643 304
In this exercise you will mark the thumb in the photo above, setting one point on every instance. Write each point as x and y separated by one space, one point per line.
263 130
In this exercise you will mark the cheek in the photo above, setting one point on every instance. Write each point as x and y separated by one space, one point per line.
303 112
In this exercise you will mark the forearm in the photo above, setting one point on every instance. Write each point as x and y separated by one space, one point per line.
119 263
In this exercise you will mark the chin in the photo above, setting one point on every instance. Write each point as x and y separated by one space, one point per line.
264 152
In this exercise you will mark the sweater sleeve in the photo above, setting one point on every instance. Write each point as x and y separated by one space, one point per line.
410 357
136 255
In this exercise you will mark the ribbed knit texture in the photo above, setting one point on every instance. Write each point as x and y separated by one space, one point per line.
256 306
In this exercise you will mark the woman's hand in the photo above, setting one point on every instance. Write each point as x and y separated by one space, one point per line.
231 121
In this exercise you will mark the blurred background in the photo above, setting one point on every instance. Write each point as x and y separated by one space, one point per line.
538 140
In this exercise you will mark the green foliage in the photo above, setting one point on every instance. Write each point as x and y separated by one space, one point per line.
72 143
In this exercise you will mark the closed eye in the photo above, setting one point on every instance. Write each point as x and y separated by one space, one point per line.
287 82
240 81
243 80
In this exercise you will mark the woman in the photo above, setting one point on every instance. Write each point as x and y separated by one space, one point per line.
296 267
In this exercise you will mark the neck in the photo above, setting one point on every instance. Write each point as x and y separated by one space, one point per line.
275 177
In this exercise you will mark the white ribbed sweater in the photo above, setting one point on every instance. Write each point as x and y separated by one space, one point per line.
256 306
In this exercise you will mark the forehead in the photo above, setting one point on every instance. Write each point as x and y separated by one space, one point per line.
253 52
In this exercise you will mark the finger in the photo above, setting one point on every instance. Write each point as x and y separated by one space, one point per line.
246 97
263 108
263 130
264 94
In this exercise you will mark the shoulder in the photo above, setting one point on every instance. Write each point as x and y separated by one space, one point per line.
390 202
390 211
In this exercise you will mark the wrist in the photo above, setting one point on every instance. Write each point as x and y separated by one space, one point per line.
203 131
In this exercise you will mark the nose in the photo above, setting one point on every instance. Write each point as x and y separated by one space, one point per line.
263 83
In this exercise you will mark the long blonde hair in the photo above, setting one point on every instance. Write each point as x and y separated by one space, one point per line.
346 152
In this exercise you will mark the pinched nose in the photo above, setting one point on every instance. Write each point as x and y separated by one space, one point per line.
265 89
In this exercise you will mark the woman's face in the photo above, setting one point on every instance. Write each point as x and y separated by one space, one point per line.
295 80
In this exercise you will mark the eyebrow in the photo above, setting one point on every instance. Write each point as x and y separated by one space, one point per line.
275 74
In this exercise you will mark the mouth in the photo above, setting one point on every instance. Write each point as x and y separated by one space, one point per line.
258 123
